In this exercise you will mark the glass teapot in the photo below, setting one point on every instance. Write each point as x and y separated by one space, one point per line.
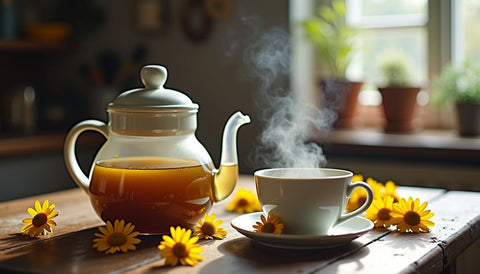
152 171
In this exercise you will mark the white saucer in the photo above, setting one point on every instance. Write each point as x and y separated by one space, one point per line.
339 235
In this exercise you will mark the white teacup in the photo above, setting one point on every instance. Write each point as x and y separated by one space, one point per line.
308 201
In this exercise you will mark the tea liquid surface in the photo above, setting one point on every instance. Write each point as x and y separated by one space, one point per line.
151 193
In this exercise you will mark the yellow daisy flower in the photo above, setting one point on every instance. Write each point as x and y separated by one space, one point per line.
379 211
357 178
116 237
180 247
390 189
377 187
411 216
271 224
42 220
359 195
208 228
244 201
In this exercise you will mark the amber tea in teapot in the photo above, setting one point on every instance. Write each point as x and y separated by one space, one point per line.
152 171
152 193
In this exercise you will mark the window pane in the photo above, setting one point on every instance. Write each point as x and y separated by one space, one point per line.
471 9
387 13
380 43
388 7
386 28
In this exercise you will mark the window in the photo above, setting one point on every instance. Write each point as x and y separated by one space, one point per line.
467 21
388 27
430 33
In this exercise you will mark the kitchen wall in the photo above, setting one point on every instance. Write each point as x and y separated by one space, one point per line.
211 71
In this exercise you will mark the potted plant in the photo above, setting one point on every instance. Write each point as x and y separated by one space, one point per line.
461 85
399 95
333 42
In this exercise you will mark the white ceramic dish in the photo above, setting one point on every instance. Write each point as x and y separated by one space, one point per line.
339 235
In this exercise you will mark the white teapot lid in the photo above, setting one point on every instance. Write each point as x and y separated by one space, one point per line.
154 96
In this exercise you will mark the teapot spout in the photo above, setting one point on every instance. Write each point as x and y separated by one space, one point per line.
229 141
226 176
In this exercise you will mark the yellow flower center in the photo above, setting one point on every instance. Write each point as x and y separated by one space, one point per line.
208 229
268 227
411 218
116 239
180 250
39 219
383 214
362 200
242 203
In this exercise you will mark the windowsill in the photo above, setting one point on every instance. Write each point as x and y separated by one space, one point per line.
425 145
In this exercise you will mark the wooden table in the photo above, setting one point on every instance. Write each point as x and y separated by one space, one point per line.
69 248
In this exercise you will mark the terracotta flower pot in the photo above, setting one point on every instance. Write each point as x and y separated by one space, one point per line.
399 105
341 96
468 115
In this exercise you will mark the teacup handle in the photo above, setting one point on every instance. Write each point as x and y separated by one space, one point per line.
363 207
69 149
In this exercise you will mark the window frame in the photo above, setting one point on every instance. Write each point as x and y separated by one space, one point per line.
443 44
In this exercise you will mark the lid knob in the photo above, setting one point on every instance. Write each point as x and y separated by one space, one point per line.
153 76
154 97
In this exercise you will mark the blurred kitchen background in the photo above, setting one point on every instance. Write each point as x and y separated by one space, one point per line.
50 82
62 61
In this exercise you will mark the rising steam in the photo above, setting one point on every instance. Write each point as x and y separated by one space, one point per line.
284 141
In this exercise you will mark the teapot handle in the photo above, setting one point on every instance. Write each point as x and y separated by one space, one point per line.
69 149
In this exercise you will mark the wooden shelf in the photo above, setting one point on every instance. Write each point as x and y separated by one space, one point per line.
24 145
30 46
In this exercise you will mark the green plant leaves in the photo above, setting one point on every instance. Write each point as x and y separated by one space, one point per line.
331 37
457 84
